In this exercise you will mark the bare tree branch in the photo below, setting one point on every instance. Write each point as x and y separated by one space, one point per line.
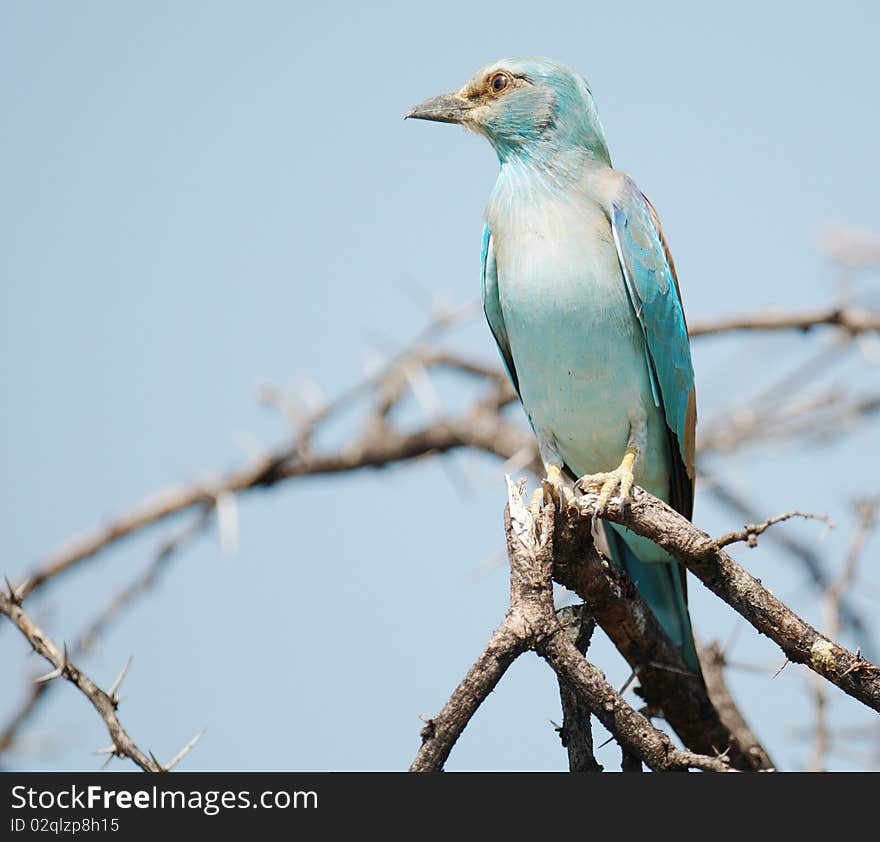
852 320
801 643
803 553
713 661
441 732
667 685
117 604
104 703
480 427
576 734
750 532
531 624
380 445
866 512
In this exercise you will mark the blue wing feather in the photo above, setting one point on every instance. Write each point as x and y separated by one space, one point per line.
649 275
492 305
653 291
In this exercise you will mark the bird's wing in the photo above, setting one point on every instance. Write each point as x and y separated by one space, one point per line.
652 285
492 305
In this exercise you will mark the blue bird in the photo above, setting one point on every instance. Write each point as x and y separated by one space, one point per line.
581 295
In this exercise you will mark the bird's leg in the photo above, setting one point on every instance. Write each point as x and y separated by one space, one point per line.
556 487
622 476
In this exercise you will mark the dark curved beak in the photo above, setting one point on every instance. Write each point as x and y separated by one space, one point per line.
446 108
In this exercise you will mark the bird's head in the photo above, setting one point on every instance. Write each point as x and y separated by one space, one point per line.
528 108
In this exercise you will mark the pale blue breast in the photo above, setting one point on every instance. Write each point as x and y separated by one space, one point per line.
576 345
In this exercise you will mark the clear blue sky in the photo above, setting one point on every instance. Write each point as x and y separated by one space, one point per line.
201 197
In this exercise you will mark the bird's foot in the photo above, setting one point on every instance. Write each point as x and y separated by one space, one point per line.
556 488
621 478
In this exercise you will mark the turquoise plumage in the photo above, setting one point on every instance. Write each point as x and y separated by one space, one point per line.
580 292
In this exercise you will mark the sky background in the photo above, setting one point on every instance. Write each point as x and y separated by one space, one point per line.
200 198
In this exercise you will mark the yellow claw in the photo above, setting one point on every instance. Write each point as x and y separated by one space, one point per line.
556 487
554 474
621 477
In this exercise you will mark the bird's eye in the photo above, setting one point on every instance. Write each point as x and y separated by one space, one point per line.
499 82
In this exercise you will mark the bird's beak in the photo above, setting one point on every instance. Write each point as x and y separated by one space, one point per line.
446 108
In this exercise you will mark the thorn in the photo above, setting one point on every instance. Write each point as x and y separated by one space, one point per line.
731 639
106 763
722 755
49 676
156 763
116 684
227 522
669 668
858 665
13 593
422 388
517 462
56 673
626 683
109 750
785 663
605 743
184 751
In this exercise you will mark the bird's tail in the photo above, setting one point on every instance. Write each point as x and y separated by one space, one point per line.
661 584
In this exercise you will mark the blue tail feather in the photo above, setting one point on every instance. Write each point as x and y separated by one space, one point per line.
660 585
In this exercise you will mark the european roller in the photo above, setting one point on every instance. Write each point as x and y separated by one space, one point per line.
581 295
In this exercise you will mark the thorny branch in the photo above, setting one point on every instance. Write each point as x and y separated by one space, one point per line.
531 624
576 733
750 532
666 683
479 427
803 553
104 702
852 320
482 426
702 555
713 661
866 512
117 604
537 546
